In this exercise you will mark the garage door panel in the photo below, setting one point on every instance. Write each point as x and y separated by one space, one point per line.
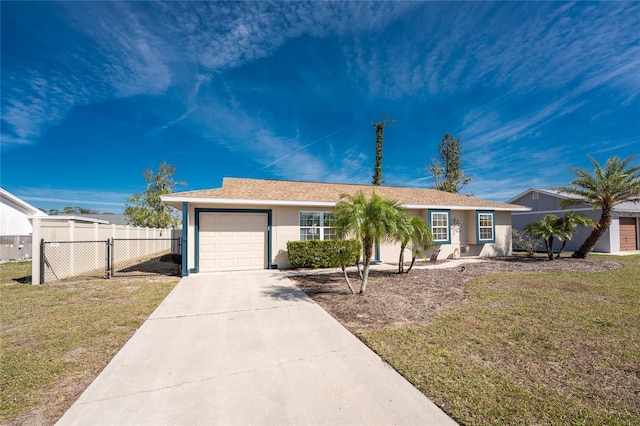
244 248
244 263
225 263
628 233
232 241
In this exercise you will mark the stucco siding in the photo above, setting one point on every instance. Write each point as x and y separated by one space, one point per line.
285 227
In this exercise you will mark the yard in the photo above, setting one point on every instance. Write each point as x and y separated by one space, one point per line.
511 341
56 338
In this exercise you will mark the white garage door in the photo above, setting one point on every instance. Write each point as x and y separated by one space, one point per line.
232 241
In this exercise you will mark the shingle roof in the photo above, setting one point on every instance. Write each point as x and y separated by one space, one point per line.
296 191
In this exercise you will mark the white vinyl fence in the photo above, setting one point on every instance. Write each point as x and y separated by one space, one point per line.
69 248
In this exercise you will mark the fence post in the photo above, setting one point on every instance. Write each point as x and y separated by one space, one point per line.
110 258
107 263
36 251
72 251
113 256
41 262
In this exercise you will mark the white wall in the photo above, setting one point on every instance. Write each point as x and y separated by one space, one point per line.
13 219
14 215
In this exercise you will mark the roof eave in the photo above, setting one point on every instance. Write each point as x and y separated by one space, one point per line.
74 218
177 202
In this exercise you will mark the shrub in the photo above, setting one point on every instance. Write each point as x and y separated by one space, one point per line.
323 254
524 241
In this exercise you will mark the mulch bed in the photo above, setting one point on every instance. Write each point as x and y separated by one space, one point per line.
417 298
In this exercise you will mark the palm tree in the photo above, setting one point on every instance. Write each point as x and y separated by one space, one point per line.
369 220
412 232
570 222
546 228
616 183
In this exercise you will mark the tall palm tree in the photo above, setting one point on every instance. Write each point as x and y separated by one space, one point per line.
618 182
546 228
369 220
414 233
570 223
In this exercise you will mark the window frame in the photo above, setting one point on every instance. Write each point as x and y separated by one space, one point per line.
492 214
448 226
321 226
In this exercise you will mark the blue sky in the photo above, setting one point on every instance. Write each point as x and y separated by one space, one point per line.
93 93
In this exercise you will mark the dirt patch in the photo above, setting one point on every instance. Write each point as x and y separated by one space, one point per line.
417 298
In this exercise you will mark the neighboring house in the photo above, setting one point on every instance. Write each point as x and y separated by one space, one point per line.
15 227
246 224
111 218
622 235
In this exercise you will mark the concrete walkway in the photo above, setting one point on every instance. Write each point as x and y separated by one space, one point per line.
247 348
449 264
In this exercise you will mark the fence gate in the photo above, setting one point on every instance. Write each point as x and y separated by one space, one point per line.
108 258
65 259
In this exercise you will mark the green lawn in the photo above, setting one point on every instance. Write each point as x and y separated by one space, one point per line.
530 348
56 338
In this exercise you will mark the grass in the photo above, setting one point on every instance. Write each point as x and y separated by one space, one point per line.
530 348
56 338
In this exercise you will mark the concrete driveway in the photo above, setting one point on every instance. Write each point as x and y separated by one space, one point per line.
247 348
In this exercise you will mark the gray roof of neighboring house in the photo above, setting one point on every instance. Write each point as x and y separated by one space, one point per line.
113 219
622 207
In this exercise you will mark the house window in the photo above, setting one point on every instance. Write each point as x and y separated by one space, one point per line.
439 220
486 227
317 226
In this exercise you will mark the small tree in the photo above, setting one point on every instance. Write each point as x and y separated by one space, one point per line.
437 173
617 182
369 220
450 153
346 259
148 209
414 233
569 223
78 210
547 228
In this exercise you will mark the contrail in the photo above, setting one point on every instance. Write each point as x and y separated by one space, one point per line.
299 149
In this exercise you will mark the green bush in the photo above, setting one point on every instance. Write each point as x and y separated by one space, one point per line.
323 254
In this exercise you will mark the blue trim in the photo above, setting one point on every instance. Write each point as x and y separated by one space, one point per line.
185 233
493 223
448 212
208 210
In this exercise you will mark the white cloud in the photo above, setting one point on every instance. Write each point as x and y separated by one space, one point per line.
140 48
524 46
73 197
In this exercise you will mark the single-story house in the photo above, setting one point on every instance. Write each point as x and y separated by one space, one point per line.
246 223
15 226
15 214
622 234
